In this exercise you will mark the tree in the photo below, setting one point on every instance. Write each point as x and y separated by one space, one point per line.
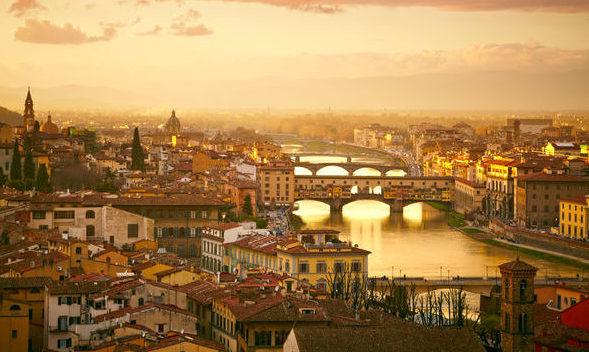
15 167
137 155
3 177
42 183
247 205
4 238
29 168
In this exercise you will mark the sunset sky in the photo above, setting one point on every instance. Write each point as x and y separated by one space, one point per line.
242 53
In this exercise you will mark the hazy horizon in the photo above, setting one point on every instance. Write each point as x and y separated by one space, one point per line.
303 54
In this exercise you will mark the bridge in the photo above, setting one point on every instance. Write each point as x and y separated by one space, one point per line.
337 191
479 285
352 168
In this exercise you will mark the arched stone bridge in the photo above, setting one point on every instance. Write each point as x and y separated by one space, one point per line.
351 168
337 191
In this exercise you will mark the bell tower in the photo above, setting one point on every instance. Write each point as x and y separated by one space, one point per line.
29 113
517 306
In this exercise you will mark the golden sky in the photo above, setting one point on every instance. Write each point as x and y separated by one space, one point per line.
164 47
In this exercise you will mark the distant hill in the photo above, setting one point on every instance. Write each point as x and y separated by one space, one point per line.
10 117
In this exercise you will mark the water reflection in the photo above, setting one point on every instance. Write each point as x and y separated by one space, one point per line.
417 242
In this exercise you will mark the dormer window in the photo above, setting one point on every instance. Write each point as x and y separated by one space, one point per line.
307 311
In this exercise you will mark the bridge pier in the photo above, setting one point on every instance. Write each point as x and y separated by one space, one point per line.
396 206
335 206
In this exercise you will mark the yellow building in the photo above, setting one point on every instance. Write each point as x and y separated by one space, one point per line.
150 269
203 161
75 249
176 276
276 182
14 325
265 151
315 255
256 251
573 217
30 295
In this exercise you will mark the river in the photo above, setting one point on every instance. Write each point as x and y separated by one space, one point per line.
417 242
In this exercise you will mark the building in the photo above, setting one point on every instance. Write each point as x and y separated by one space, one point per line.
517 306
208 160
276 182
468 196
499 200
240 192
213 238
29 113
527 126
538 196
562 149
172 126
569 332
14 325
314 255
399 336
49 127
89 218
178 219
31 293
573 217
560 296
249 252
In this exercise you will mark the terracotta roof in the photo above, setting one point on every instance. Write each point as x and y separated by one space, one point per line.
132 310
517 265
400 337
186 338
544 177
25 282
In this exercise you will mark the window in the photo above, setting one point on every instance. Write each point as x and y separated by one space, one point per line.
90 231
356 266
63 214
37 214
161 327
90 214
15 307
203 214
522 290
280 337
338 267
132 230
30 313
523 323
78 250
263 338
14 334
64 343
321 267
303 267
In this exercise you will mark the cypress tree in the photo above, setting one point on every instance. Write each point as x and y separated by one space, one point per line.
29 166
137 155
15 167
42 183
247 205
3 177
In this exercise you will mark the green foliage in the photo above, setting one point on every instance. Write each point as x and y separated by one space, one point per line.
247 205
42 183
296 221
108 183
3 178
29 166
16 166
90 140
4 238
137 154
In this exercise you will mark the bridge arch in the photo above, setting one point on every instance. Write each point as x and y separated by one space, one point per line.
396 173
302 171
332 170
366 171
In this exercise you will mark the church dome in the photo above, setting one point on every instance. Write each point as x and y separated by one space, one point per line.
49 127
173 124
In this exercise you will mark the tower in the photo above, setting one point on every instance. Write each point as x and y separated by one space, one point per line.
517 306
29 113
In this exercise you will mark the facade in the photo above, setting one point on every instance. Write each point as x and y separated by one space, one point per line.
87 221
14 326
207 160
314 255
538 197
517 306
256 251
31 293
276 182
573 217
499 200
177 219
468 196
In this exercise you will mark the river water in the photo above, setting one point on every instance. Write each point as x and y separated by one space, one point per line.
417 242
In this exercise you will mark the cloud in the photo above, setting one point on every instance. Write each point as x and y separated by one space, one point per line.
154 31
45 32
182 29
334 6
490 57
21 7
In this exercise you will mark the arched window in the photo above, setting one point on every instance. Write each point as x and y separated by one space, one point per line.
507 323
522 290
90 214
90 231
15 307
506 290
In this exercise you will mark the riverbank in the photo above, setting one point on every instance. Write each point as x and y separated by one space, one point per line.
456 221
